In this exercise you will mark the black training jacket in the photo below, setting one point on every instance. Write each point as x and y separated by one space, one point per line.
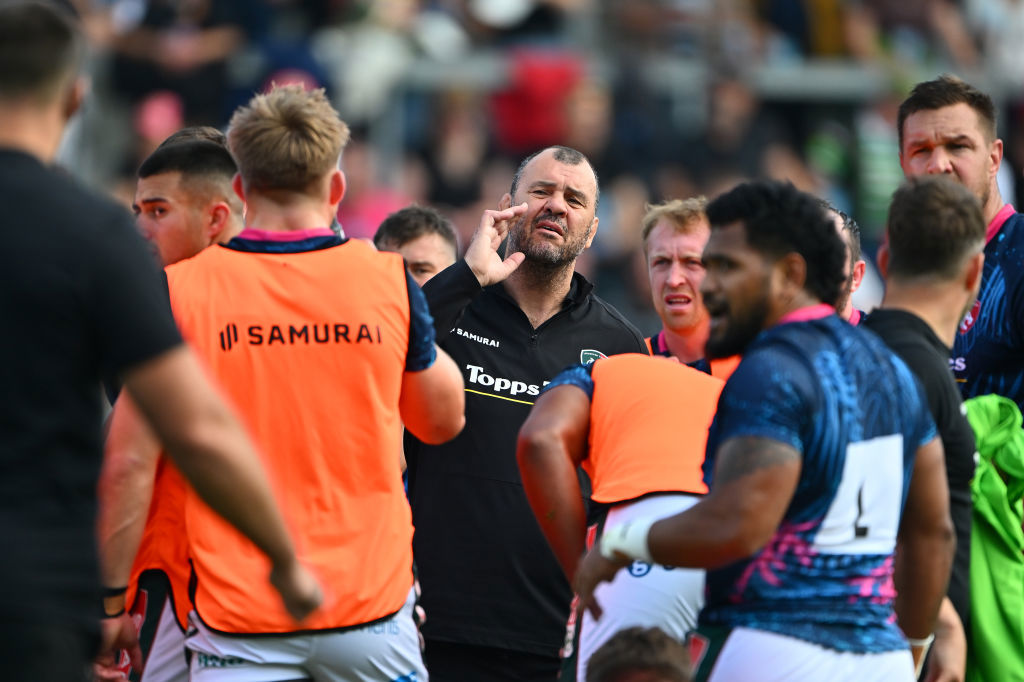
487 573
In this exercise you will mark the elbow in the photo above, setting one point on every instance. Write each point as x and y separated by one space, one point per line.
741 546
940 534
533 446
935 540
945 534
442 431
738 541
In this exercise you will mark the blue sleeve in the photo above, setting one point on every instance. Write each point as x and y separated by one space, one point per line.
575 375
770 395
422 352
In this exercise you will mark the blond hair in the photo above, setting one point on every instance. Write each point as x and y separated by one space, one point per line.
286 139
682 213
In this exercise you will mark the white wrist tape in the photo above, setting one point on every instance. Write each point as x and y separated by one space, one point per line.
927 641
629 538
924 644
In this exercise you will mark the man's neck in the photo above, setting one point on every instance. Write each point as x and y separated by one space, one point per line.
790 308
31 129
539 292
688 346
938 305
263 213
993 205
232 230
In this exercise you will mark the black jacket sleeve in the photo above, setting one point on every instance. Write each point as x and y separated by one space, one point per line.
448 293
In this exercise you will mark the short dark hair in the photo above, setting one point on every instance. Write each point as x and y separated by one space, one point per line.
779 219
639 649
207 169
208 133
40 49
192 158
412 222
563 154
934 225
945 91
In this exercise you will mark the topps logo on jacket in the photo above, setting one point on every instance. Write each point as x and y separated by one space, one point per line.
478 376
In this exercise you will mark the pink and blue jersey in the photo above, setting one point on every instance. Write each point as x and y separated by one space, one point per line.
988 352
857 415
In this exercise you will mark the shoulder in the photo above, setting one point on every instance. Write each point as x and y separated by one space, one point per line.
1015 224
65 196
602 314
909 343
657 366
1008 243
362 251
894 328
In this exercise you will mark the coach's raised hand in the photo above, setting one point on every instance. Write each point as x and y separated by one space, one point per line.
482 256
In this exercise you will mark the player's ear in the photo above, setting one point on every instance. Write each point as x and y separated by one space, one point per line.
995 156
218 216
74 96
236 184
973 270
506 201
593 233
337 187
883 260
792 269
859 269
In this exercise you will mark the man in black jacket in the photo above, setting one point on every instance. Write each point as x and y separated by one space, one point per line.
932 262
81 298
496 599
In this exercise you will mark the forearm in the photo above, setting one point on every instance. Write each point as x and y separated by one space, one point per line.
948 658
125 491
753 484
707 535
448 293
921 576
122 522
553 490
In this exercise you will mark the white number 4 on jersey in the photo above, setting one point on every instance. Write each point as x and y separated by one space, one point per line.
864 517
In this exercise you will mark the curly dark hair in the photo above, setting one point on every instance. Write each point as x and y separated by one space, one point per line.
779 219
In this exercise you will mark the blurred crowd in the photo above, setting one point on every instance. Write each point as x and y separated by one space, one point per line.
668 98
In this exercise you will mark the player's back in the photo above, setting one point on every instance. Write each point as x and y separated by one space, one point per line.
311 347
855 413
648 426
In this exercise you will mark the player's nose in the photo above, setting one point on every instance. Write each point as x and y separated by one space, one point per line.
939 163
